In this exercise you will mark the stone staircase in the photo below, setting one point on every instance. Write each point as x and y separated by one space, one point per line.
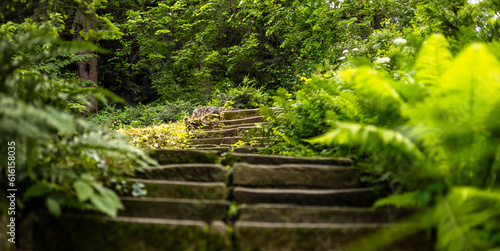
234 126
212 199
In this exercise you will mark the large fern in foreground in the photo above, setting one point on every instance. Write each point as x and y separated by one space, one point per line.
446 152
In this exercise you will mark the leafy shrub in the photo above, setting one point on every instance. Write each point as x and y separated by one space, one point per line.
245 96
143 115
171 135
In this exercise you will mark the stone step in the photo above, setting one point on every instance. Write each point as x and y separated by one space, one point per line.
244 121
223 149
215 141
257 125
357 197
173 156
320 236
320 214
201 172
189 209
233 132
77 232
220 141
239 114
183 189
295 176
279 159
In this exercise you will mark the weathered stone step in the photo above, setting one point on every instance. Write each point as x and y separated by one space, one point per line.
319 214
77 232
208 146
233 132
201 172
172 156
215 141
279 159
257 125
295 176
319 236
201 208
358 197
239 114
243 121
219 141
225 149
183 189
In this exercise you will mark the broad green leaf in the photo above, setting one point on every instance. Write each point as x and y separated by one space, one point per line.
37 190
83 190
107 201
104 204
53 206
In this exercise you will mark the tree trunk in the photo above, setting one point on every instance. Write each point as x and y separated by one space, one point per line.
205 85
87 70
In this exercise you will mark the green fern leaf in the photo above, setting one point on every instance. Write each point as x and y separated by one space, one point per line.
434 58
409 199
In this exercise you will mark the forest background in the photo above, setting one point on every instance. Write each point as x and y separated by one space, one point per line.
409 89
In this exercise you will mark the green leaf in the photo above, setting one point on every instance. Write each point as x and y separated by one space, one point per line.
107 201
37 190
53 206
434 58
104 205
83 190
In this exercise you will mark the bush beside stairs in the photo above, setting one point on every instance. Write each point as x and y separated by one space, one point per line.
212 199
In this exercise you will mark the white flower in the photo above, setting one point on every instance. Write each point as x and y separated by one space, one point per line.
383 60
399 41
341 58
355 49
345 51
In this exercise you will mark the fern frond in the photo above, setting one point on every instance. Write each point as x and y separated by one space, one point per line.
409 199
371 138
463 216
434 58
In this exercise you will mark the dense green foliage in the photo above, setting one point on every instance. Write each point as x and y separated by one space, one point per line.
143 115
240 97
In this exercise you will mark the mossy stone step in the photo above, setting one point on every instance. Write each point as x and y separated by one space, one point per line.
201 208
279 159
320 214
77 232
243 121
183 189
357 197
233 132
201 172
239 114
321 236
173 156
257 125
225 149
219 141
215 141
295 176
